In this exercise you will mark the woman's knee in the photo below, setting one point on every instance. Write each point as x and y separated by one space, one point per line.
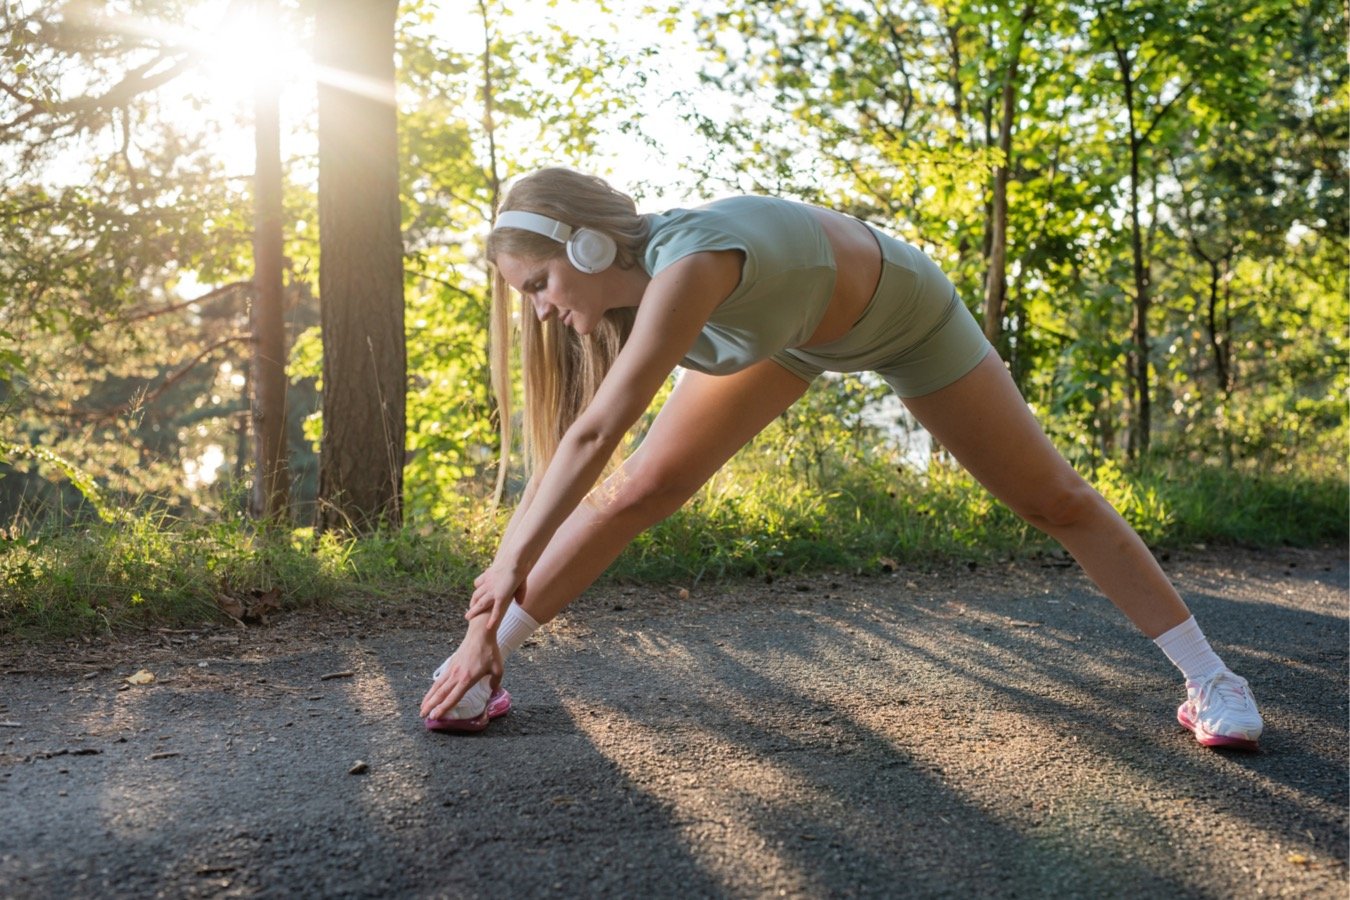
1063 503
647 493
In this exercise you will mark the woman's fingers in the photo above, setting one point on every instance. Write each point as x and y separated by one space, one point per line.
487 601
437 690
458 688
429 698
448 690
495 613
480 604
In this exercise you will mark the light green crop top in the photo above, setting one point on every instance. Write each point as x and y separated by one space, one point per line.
786 281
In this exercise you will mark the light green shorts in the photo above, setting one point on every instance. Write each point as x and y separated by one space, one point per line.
915 333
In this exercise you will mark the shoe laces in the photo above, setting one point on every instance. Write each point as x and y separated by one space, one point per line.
1228 689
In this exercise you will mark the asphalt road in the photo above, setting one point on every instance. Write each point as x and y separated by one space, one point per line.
1002 732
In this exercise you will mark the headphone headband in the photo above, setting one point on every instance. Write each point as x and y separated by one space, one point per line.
528 221
588 250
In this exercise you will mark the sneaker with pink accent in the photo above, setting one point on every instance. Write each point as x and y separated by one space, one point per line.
498 705
1221 711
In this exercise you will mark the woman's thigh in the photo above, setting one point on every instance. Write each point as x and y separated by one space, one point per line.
983 421
706 419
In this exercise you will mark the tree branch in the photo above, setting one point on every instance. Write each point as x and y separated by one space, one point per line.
204 298
169 380
1157 120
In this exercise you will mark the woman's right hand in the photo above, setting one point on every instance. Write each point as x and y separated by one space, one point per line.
478 657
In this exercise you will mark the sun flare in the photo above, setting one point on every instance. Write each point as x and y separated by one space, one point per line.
246 47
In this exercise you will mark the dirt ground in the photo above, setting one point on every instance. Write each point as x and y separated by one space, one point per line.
1000 731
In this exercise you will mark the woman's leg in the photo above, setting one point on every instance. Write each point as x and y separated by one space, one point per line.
706 419
984 422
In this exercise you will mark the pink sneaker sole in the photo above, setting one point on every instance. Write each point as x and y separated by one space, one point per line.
1206 739
498 705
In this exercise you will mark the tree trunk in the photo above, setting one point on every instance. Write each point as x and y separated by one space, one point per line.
1138 359
996 283
361 269
271 480
243 426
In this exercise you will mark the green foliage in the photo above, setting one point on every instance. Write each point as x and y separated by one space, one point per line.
450 423
838 495
756 518
892 114
79 479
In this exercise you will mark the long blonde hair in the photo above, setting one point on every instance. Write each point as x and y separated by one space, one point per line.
562 370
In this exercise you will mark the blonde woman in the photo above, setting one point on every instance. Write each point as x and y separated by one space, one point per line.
754 297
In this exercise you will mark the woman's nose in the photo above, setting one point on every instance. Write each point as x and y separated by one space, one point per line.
541 309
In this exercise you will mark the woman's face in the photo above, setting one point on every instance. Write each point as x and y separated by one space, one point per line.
554 288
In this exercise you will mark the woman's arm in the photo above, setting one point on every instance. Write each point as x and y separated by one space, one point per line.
704 422
674 308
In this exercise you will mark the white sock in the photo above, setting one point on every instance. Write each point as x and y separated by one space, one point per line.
1186 647
516 627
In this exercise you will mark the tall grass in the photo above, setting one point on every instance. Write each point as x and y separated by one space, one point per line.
153 568
757 520
757 517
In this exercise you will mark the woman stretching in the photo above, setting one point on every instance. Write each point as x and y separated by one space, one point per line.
755 297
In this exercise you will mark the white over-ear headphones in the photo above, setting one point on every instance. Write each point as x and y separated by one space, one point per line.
588 250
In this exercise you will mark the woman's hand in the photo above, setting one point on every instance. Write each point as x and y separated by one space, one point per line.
493 592
478 656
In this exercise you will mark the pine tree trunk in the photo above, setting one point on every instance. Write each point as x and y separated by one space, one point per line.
360 270
996 282
271 480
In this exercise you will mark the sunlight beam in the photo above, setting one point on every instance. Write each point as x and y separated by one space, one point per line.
343 80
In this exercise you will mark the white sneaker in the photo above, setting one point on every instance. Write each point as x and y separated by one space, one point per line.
442 667
473 703
1221 711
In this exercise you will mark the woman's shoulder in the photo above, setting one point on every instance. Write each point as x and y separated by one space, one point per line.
742 222
732 210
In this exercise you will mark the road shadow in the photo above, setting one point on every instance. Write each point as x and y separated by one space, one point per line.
239 782
918 736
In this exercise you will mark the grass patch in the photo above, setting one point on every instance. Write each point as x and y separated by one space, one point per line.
760 520
156 570
754 518
1247 508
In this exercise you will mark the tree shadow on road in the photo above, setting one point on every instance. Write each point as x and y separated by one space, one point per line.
1083 778
963 740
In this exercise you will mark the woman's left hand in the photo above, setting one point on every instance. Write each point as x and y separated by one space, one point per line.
493 592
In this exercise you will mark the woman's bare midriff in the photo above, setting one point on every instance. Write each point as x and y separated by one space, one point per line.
857 264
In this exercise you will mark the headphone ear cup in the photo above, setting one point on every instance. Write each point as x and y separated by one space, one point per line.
591 251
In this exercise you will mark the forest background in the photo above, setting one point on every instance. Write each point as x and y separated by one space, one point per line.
1144 202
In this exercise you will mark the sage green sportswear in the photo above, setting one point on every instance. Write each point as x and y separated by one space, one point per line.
915 332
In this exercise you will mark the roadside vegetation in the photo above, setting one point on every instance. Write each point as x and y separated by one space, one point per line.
784 506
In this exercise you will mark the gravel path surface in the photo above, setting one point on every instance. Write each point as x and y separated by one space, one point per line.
997 732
